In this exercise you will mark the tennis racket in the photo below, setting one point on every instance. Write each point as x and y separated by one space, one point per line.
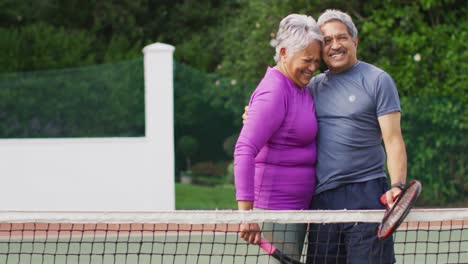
276 253
394 216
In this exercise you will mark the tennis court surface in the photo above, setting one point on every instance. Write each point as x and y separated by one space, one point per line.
426 236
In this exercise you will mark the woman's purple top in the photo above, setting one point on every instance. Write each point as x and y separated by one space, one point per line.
274 158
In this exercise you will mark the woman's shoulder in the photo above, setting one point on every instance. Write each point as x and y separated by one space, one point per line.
272 88
274 81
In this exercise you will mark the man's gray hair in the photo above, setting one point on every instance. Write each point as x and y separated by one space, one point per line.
295 33
333 14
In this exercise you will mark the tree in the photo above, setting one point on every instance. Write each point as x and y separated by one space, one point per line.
229 144
188 145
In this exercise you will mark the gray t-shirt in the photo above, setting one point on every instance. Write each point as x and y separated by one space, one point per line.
349 138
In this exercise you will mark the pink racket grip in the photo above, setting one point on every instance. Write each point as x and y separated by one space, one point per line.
267 246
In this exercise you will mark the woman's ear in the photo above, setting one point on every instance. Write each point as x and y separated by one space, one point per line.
283 53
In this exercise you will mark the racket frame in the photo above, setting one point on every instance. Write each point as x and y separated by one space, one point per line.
413 187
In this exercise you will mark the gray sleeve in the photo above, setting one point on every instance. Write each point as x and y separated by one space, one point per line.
386 95
311 85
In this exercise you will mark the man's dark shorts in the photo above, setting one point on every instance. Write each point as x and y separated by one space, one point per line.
349 242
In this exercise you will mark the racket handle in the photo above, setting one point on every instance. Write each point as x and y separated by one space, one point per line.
267 246
383 199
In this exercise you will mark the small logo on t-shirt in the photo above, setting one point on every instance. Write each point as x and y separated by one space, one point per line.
352 98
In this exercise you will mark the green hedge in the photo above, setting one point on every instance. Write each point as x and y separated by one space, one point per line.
435 130
92 101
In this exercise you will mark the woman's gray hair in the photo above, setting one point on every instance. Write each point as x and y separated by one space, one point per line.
333 14
295 33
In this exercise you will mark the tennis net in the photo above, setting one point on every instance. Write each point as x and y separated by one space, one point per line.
211 236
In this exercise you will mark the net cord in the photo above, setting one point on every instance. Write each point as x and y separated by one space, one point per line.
227 216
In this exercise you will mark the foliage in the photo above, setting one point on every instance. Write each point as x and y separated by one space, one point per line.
113 30
246 52
42 46
195 115
416 44
208 173
95 101
207 168
229 144
188 145
195 33
230 173
434 130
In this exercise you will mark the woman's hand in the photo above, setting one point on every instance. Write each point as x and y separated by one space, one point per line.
250 233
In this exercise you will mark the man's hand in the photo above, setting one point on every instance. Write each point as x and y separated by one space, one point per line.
391 196
250 233
244 115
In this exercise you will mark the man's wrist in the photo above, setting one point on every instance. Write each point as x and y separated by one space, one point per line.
399 185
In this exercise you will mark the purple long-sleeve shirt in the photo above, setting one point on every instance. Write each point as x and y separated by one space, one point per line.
274 158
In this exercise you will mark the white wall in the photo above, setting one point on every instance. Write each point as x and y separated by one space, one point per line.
99 174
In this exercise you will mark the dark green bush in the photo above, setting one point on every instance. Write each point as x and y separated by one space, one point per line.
44 47
208 173
435 130
93 101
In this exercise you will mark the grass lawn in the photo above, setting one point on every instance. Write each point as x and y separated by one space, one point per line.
190 197
196 197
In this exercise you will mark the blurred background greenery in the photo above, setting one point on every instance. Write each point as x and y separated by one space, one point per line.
74 69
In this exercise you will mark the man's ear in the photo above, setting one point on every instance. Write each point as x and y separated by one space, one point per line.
356 41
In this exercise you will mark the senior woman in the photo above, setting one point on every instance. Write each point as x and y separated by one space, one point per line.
275 154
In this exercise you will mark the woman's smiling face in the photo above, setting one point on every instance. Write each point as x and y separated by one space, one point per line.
300 66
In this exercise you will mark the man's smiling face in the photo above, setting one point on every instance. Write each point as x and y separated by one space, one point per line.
339 48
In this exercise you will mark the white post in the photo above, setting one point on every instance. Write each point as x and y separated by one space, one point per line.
159 108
